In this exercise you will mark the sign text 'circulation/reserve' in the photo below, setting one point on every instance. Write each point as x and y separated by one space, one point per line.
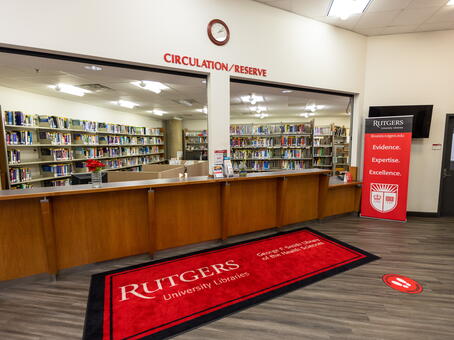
214 65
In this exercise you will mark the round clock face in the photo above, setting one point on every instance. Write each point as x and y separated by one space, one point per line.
218 32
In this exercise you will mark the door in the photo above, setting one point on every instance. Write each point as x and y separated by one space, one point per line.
447 170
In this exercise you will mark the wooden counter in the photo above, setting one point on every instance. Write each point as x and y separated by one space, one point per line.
43 230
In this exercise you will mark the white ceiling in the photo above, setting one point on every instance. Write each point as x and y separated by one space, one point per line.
34 74
381 17
285 105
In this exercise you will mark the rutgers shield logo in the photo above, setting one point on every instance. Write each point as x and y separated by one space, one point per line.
383 197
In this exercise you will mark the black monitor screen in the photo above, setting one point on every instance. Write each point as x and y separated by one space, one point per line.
85 178
422 116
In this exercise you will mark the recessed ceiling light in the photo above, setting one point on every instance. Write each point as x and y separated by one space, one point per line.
451 3
153 86
258 109
313 107
93 67
305 115
177 118
203 110
69 89
286 91
261 115
157 112
126 103
343 9
252 99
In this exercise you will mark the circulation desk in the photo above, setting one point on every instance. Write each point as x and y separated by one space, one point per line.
44 230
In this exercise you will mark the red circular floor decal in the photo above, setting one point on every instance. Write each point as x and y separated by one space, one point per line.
402 283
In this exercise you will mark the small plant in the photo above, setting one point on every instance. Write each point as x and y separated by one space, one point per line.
94 166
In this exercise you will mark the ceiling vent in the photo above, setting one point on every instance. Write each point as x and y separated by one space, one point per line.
95 87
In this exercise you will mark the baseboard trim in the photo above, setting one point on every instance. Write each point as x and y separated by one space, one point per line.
422 214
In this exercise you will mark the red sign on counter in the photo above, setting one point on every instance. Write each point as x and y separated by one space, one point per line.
387 148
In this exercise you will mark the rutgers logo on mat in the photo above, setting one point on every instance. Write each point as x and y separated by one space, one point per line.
383 197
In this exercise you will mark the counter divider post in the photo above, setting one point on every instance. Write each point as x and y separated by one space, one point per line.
323 182
225 210
358 198
48 230
152 230
281 194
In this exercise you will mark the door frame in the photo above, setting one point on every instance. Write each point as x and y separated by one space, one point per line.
443 159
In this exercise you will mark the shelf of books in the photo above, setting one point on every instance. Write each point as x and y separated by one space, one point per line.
271 147
341 153
289 146
195 144
323 147
44 150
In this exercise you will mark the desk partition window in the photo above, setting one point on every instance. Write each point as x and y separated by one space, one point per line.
286 128
59 112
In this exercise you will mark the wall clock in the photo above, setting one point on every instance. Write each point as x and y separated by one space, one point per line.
218 32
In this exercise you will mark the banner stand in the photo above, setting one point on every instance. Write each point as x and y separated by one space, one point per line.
387 146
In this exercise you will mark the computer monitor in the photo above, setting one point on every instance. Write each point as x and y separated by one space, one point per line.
85 178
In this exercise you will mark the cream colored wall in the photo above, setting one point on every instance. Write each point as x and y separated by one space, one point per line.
195 124
294 49
27 102
415 69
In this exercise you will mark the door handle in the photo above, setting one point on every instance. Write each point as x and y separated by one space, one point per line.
446 173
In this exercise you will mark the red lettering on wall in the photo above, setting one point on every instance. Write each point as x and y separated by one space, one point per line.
213 65
166 57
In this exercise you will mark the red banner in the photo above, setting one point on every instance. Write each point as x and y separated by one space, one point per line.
387 148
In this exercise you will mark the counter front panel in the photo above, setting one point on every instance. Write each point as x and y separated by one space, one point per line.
44 230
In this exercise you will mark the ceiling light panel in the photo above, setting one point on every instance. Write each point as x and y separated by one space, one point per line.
343 9
203 110
252 99
153 86
125 103
261 115
258 109
157 112
70 89
93 68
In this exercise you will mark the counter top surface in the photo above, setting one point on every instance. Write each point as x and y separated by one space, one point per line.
154 183
335 182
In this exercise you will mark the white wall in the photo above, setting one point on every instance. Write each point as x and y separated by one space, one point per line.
27 102
413 69
295 50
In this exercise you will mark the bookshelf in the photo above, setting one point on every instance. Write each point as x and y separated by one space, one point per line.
195 144
323 147
341 156
43 150
272 146
289 146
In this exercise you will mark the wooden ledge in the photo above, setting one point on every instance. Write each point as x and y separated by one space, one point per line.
343 185
154 183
